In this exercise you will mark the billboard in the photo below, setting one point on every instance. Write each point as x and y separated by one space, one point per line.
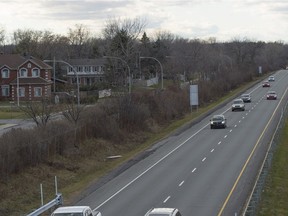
194 95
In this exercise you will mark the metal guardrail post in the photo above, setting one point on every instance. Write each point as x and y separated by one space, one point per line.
55 202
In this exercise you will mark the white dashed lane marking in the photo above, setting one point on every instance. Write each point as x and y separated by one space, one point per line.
181 183
193 170
166 199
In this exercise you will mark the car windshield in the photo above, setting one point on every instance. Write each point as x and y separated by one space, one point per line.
271 92
217 118
245 95
237 102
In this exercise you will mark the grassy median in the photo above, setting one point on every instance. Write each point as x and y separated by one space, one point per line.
275 195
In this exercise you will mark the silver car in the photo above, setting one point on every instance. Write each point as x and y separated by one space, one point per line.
163 212
238 104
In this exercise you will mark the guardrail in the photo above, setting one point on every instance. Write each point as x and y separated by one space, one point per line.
55 202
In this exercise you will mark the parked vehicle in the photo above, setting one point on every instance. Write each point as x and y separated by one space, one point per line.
163 212
75 211
218 121
238 104
271 95
246 98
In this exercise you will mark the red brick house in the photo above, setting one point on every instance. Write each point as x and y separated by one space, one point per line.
30 75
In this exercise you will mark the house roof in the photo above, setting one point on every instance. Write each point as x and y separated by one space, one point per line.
14 61
98 61
30 80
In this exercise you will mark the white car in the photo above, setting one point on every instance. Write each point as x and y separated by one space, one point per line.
271 78
163 212
75 211
238 104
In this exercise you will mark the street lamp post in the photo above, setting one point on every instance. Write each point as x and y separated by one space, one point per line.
129 73
78 88
17 88
142 57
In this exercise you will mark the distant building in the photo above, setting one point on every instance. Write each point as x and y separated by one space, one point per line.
30 75
89 71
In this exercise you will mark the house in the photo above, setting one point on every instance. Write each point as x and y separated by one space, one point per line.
30 75
88 71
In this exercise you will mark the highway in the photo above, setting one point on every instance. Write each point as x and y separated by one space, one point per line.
200 171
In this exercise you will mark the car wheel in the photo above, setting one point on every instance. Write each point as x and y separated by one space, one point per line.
211 127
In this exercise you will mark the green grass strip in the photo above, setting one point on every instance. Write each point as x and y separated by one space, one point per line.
274 199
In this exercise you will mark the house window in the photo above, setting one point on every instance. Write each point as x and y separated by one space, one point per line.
37 91
23 72
21 92
5 90
5 73
35 72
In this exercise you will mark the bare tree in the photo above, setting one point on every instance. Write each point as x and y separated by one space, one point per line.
39 112
78 38
122 34
72 113
2 36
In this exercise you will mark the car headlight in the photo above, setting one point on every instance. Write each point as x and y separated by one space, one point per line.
223 122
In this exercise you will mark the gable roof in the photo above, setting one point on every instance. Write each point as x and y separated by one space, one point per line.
14 61
84 62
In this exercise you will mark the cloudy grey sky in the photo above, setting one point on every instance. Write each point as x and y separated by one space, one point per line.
265 20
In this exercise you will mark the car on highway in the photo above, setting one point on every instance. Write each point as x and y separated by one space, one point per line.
75 211
163 212
246 98
265 84
271 95
238 104
218 121
271 78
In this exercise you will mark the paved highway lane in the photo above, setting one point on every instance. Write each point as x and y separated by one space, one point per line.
201 171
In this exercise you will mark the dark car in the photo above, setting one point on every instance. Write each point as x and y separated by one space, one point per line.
266 84
218 121
271 95
246 98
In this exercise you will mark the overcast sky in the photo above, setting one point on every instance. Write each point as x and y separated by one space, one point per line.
265 20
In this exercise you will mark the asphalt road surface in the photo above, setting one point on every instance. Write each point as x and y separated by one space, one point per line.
200 171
